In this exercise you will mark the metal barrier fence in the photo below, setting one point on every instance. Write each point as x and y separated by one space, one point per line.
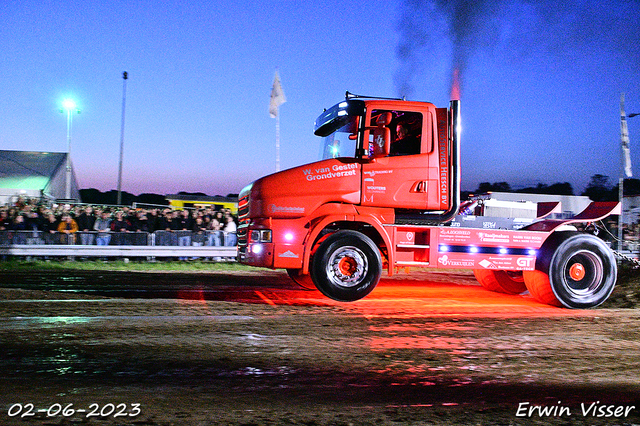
217 245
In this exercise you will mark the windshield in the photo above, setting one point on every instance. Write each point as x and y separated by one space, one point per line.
338 143
335 125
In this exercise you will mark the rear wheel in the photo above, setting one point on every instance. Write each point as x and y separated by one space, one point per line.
303 280
347 266
573 270
501 281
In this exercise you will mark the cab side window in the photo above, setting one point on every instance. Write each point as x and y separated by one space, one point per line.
403 130
406 134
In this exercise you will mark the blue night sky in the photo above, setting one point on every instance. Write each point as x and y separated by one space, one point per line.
541 83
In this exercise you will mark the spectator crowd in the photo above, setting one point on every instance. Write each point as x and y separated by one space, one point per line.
27 222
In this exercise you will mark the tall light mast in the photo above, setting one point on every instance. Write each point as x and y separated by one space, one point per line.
124 98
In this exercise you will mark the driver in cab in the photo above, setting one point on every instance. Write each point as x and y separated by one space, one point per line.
405 143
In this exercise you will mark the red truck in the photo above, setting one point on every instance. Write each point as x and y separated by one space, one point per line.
382 198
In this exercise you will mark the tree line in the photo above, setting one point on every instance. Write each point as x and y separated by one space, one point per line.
600 188
97 197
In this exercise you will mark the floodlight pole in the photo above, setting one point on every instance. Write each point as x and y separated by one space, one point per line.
67 191
124 98
278 143
69 105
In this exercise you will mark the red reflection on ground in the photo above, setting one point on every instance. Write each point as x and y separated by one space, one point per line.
417 342
265 296
418 294
409 299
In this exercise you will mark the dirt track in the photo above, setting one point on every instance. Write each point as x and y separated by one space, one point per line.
254 349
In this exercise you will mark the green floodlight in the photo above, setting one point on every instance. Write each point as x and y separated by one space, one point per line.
69 104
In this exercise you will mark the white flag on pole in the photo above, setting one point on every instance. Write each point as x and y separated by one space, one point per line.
627 160
277 96
624 139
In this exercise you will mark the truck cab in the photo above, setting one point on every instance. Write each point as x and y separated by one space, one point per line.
382 160
402 148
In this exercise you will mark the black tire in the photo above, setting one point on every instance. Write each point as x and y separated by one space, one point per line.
501 281
580 270
347 266
302 280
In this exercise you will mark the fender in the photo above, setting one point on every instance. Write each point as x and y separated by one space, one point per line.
319 223
594 212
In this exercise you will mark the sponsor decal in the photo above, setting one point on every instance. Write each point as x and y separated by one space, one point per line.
372 173
526 262
461 263
443 157
376 189
289 254
513 263
335 171
487 264
407 237
379 141
528 238
494 238
454 232
371 188
285 209
452 235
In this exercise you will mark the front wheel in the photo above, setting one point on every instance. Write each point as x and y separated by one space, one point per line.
347 266
573 270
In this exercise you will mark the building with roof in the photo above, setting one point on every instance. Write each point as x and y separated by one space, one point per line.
631 209
40 175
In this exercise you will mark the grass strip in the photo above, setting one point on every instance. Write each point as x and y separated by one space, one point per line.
121 265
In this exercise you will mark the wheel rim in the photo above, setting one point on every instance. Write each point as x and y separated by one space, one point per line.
577 272
583 273
347 266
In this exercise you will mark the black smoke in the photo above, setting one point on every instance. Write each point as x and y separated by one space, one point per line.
433 31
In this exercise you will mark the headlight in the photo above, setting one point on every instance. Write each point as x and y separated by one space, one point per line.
261 236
